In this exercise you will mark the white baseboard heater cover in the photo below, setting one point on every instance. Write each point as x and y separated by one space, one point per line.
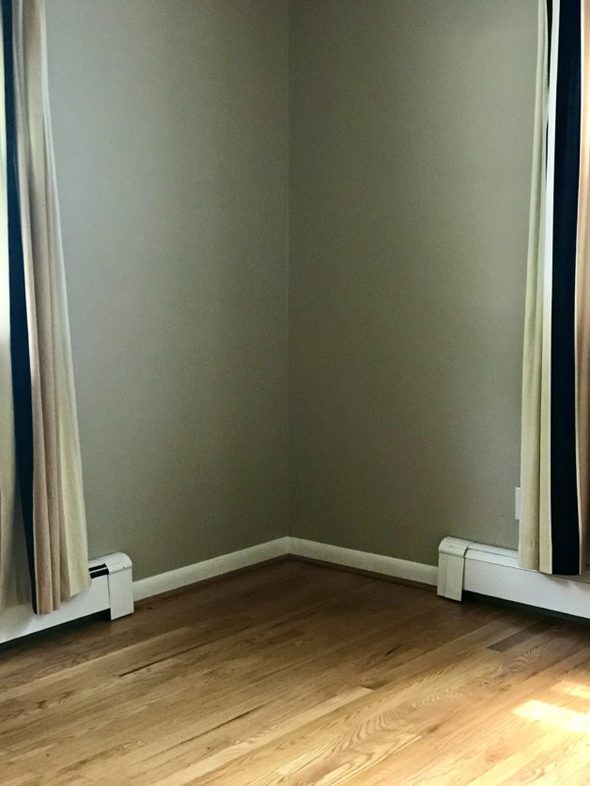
111 589
495 572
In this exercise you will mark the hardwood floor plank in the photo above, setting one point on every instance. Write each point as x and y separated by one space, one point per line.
343 669
299 674
471 734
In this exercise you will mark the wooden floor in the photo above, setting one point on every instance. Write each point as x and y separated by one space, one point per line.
299 674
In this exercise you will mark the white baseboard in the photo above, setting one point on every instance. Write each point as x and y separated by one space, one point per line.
209 568
463 566
282 547
365 560
489 570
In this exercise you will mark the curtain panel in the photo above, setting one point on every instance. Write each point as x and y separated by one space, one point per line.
40 467
555 458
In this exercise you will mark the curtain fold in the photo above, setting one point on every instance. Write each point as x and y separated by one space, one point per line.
555 407
47 453
7 451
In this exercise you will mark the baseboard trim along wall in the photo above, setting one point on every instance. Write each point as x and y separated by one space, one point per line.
283 547
463 567
209 568
365 561
493 571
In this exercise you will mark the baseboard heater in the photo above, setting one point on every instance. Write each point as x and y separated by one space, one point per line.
489 570
111 589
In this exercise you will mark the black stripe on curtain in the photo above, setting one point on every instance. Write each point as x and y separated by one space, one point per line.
564 497
19 337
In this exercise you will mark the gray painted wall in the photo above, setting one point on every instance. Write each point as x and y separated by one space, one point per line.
171 125
411 131
410 147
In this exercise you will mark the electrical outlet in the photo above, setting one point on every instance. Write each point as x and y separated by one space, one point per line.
517 503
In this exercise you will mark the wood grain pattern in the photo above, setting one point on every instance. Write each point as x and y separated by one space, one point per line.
300 674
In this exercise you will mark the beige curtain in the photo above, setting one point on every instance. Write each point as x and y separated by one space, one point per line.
59 524
535 517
